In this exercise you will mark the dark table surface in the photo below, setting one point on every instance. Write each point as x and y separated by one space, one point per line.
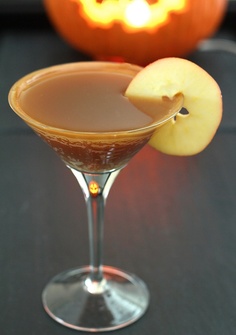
170 220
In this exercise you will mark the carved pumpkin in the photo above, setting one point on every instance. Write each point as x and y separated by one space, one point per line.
94 188
136 31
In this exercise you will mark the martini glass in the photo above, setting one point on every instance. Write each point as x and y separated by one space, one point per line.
95 297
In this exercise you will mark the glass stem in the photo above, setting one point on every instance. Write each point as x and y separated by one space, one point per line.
95 188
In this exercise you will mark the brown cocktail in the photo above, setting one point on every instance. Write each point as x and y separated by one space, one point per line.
80 110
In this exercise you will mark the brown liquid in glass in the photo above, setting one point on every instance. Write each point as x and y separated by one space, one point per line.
91 122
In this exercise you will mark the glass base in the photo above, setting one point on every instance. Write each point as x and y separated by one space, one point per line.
73 300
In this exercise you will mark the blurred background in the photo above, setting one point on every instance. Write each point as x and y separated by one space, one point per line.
138 41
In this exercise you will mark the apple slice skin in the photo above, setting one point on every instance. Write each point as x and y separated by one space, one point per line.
188 134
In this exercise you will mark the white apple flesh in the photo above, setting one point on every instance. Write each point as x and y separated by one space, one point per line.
185 133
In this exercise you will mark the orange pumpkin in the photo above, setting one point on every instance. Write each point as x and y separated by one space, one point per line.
94 188
136 31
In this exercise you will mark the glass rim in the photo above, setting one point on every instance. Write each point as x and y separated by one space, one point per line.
47 72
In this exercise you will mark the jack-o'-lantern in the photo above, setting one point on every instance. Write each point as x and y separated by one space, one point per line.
138 31
94 188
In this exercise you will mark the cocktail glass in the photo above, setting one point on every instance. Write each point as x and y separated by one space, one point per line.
96 297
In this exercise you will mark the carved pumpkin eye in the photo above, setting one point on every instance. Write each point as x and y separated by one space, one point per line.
138 31
131 14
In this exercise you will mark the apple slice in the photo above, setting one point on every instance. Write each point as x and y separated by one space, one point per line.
192 128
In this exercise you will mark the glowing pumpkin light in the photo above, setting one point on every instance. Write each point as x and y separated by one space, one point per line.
94 188
139 31
137 13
